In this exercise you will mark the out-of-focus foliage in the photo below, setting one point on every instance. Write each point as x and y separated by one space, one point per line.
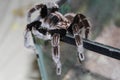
21 11
117 21
101 12
65 8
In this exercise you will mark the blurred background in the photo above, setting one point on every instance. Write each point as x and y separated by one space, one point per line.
19 63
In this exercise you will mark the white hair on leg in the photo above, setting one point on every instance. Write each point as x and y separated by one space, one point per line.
40 35
47 36
78 40
52 4
58 68
37 34
55 48
28 41
80 50
56 54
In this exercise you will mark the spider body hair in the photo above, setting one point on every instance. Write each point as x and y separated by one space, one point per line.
44 11
51 24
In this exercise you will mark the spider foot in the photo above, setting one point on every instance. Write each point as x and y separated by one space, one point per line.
80 53
58 68
81 57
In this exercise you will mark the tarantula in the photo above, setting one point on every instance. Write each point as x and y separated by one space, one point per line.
52 25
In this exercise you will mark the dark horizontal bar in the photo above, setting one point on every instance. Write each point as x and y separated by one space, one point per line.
96 47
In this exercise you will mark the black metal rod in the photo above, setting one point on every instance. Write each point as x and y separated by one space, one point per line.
96 47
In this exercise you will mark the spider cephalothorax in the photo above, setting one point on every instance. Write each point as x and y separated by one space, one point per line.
52 25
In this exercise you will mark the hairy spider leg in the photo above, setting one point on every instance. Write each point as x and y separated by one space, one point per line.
78 41
77 26
56 52
34 26
79 22
85 25
30 25
43 11
28 42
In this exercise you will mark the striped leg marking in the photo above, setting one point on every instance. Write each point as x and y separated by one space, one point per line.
79 42
56 52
